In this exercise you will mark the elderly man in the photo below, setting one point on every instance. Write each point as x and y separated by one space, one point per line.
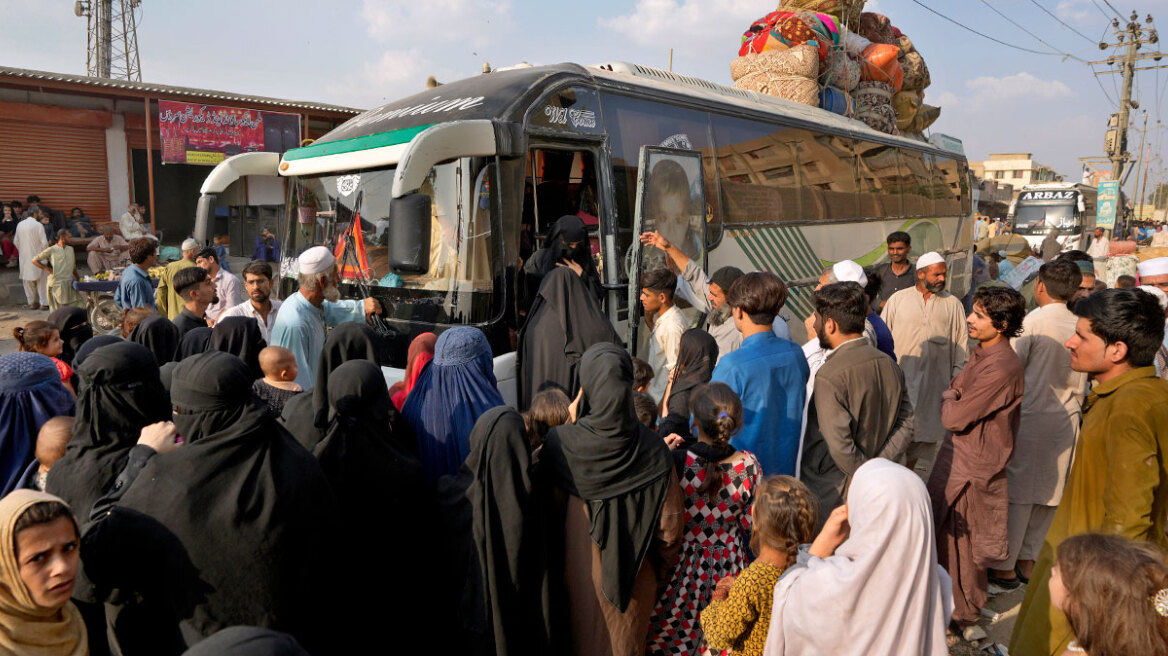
1154 273
30 239
107 250
300 324
169 303
931 339
132 224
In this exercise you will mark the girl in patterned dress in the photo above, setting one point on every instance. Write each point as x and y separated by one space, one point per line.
785 514
718 483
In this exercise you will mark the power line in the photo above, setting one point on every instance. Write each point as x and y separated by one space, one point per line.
1101 10
1061 22
1036 37
1112 7
984 36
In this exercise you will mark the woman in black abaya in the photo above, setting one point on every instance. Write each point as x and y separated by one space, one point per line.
625 514
566 242
241 337
496 558
159 335
563 322
235 527
73 324
696 356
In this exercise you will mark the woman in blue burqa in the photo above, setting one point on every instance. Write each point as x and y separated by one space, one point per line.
31 393
449 397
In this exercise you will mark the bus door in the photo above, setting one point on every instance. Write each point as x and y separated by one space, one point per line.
670 200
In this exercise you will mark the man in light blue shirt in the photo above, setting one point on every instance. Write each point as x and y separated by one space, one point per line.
300 324
768 373
134 289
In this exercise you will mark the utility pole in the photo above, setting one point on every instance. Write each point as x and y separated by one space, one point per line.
1131 37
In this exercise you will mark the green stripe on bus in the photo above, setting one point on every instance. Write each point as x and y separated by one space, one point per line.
379 140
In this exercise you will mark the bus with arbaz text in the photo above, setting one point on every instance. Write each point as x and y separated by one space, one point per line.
454 187
1067 208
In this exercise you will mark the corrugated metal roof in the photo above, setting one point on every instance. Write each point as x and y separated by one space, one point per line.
164 89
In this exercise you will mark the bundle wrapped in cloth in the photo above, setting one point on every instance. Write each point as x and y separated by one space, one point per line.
874 106
788 74
846 12
780 30
842 71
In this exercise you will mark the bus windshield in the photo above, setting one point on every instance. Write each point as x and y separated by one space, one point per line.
1038 219
459 279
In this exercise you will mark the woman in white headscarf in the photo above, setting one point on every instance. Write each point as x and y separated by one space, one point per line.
881 592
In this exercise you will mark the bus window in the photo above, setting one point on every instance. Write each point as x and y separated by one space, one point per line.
832 175
944 195
632 123
912 181
879 191
759 166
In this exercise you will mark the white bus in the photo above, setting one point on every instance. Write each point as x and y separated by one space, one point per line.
456 185
1067 207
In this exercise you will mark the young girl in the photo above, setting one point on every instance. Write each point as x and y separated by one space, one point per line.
785 514
1114 592
41 337
719 484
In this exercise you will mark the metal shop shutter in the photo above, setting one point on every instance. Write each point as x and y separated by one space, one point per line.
64 165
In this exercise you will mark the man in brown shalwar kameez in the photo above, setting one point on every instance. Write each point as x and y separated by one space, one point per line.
981 410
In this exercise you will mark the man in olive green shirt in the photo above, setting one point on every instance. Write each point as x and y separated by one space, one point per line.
169 303
62 268
1119 480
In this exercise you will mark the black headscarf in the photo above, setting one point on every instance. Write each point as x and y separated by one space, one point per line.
563 322
248 507
193 343
241 337
696 356
119 394
615 464
497 548
247 641
92 345
568 229
306 415
159 335
73 324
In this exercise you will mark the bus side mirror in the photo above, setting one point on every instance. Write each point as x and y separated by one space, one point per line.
409 233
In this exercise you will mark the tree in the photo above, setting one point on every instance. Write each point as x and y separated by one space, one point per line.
1159 196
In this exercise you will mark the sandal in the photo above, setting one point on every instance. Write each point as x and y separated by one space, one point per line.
1018 573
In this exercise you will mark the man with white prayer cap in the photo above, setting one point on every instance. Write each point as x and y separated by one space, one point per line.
1154 272
931 342
300 325
1161 296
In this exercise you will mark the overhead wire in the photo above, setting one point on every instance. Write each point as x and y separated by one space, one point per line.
1036 37
986 36
1112 7
1048 12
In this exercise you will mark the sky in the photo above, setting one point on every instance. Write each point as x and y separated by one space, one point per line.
363 53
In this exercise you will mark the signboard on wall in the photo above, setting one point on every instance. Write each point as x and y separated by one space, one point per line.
1106 204
194 133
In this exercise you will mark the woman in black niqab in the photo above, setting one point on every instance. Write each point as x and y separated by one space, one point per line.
563 322
73 324
306 415
241 337
249 508
696 356
495 543
193 342
557 249
620 468
91 346
159 335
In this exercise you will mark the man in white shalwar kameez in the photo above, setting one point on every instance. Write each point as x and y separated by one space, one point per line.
30 240
931 344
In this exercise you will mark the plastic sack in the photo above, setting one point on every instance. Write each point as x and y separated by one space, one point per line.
836 101
801 60
842 71
854 44
879 63
906 103
926 116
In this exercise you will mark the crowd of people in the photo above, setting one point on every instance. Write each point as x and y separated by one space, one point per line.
206 480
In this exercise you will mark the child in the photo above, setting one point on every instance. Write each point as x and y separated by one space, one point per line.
642 375
278 384
718 483
51 441
549 408
1114 592
785 514
646 409
41 337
